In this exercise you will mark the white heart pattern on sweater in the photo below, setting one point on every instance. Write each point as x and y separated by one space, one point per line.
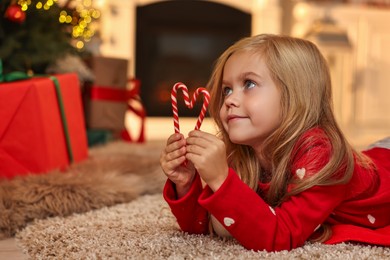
301 173
371 218
228 221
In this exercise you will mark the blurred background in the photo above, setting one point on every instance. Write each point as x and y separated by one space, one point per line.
163 42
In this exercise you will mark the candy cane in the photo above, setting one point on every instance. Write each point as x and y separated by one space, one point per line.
189 103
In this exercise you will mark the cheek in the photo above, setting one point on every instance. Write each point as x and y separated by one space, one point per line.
266 109
258 105
274 107
221 113
275 111
222 116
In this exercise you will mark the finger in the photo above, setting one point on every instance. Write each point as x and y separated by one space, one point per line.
195 159
174 149
181 151
170 166
175 143
203 139
201 134
168 157
174 137
195 149
199 141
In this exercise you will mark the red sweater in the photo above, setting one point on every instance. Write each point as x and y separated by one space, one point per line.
357 211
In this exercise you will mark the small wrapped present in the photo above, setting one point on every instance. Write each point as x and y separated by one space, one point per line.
105 113
42 125
130 98
110 97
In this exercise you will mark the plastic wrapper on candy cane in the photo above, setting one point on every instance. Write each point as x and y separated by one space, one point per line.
189 103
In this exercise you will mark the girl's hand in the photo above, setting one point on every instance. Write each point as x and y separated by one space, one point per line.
173 163
208 155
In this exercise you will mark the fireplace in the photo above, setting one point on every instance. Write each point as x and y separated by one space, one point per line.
180 41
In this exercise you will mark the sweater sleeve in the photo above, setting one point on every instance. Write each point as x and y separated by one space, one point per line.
190 216
257 226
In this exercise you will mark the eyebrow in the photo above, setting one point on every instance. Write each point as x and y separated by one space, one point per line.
243 76
247 74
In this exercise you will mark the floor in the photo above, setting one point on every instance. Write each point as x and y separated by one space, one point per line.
156 129
9 250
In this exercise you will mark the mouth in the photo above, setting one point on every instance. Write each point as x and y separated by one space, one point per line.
231 118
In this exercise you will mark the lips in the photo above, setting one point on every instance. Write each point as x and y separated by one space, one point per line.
234 117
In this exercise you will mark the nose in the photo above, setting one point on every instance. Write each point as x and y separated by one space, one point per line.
232 100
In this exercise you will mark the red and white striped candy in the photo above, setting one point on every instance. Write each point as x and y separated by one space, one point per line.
189 103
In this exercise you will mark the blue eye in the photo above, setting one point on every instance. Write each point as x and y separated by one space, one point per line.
249 84
226 91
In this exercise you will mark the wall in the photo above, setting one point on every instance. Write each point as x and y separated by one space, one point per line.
360 78
118 36
118 23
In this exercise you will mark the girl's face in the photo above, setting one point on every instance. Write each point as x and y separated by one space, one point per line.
251 109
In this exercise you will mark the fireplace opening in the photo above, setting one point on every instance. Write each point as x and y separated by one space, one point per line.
179 41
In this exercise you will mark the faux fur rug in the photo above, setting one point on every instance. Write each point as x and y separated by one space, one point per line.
114 173
146 229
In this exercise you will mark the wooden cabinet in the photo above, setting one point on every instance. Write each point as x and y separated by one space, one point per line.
360 77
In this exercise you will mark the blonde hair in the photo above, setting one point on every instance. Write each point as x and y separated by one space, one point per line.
302 74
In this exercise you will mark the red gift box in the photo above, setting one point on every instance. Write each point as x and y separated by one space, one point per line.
34 138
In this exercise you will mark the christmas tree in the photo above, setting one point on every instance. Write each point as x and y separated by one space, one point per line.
36 33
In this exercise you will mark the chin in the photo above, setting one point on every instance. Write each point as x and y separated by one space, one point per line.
238 140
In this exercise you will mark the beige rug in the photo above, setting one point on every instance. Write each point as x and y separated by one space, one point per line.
145 229
110 207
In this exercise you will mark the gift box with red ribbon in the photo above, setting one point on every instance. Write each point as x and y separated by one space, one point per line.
110 74
111 96
42 125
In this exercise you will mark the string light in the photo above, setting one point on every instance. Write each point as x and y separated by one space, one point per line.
80 44
39 5
24 4
80 20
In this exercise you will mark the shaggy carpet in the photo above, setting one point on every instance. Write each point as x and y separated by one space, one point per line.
145 229
110 207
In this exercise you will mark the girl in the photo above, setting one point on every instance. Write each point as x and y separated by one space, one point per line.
280 171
